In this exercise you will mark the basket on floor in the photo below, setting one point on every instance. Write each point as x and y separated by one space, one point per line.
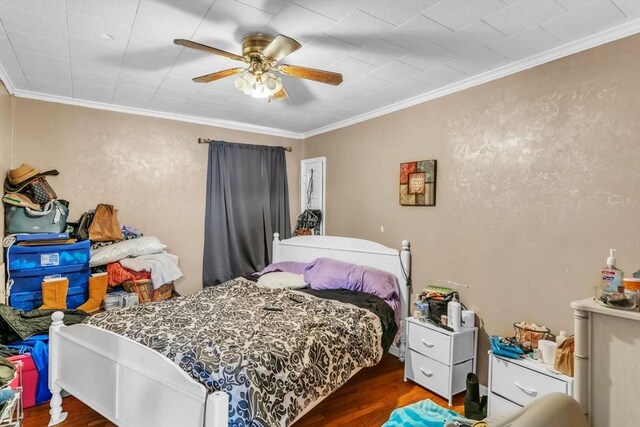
145 291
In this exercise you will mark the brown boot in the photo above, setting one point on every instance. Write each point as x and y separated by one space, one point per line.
54 293
97 292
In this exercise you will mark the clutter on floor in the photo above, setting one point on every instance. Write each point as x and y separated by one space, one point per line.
475 406
9 398
426 414
78 267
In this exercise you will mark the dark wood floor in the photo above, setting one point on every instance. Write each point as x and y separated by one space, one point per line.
365 400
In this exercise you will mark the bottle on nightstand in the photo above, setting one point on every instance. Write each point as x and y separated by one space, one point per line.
454 315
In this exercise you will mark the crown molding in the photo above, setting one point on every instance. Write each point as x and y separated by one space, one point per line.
618 32
226 124
6 80
624 30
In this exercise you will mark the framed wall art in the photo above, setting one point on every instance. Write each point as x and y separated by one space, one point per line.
418 183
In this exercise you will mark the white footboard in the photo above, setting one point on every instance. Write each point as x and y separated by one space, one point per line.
126 382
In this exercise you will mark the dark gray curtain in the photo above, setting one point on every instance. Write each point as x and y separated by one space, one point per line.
247 201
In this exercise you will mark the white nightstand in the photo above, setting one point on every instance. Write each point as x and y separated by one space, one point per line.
440 360
515 382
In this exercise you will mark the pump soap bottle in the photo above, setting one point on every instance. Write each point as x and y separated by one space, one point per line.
611 277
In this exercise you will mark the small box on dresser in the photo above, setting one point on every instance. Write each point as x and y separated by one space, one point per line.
440 360
513 383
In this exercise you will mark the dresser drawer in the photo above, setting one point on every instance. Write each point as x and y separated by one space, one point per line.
427 372
430 343
521 385
499 406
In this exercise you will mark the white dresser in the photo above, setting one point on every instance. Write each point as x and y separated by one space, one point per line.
607 363
439 360
515 382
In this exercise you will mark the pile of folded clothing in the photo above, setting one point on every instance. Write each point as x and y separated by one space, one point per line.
138 263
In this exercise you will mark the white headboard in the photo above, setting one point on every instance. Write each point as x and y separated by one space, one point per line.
354 251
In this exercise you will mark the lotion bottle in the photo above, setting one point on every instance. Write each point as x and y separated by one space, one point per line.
454 315
611 277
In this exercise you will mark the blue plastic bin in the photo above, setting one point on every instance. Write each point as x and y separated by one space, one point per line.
21 258
30 265
31 280
29 300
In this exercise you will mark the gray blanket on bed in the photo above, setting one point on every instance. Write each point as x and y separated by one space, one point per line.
272 364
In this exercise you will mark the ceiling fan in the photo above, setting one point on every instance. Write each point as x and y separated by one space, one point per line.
261 53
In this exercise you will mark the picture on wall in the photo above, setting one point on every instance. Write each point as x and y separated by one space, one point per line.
418 183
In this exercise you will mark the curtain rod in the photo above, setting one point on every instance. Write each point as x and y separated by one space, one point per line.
209 141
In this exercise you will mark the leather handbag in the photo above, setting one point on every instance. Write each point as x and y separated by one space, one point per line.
52 218
105 226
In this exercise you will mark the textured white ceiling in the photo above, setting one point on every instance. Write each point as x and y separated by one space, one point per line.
388 51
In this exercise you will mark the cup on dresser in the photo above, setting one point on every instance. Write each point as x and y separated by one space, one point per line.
547 351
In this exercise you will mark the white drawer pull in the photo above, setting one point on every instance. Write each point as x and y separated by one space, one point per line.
529 391
429 374
428 344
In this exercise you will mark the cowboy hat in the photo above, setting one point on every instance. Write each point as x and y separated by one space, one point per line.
22 176
18 199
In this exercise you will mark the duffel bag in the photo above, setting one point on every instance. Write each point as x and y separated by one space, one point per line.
52 218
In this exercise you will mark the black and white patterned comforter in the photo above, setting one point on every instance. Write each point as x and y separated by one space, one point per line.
272 364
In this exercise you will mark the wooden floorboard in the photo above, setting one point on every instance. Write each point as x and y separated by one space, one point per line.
367 399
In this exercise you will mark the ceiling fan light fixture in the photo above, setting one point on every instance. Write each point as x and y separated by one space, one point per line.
263 86
245 82
273 82
261 53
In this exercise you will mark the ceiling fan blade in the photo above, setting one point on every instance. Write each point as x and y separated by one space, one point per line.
281 95
280 47
208 49
218 75
311 74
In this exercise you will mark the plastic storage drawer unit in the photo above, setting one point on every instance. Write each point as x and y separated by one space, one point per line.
29 265
25 258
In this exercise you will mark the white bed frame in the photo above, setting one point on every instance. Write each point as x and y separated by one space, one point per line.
133 385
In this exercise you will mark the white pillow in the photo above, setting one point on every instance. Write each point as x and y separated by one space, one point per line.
282 280
135 247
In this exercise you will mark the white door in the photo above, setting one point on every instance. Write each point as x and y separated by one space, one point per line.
312 187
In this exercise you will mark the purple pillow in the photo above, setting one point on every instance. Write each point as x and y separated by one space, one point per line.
379 283
327 273
286 266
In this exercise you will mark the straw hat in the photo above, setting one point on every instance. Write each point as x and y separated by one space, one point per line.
20 177
21 174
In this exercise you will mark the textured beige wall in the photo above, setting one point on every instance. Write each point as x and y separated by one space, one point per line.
152 170
538 176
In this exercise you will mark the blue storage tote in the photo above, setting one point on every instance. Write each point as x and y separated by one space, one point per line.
29 265
30 300
21 258
31 280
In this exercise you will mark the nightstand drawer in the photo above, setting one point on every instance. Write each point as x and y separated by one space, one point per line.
499 406
428 373
522 385
430 343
